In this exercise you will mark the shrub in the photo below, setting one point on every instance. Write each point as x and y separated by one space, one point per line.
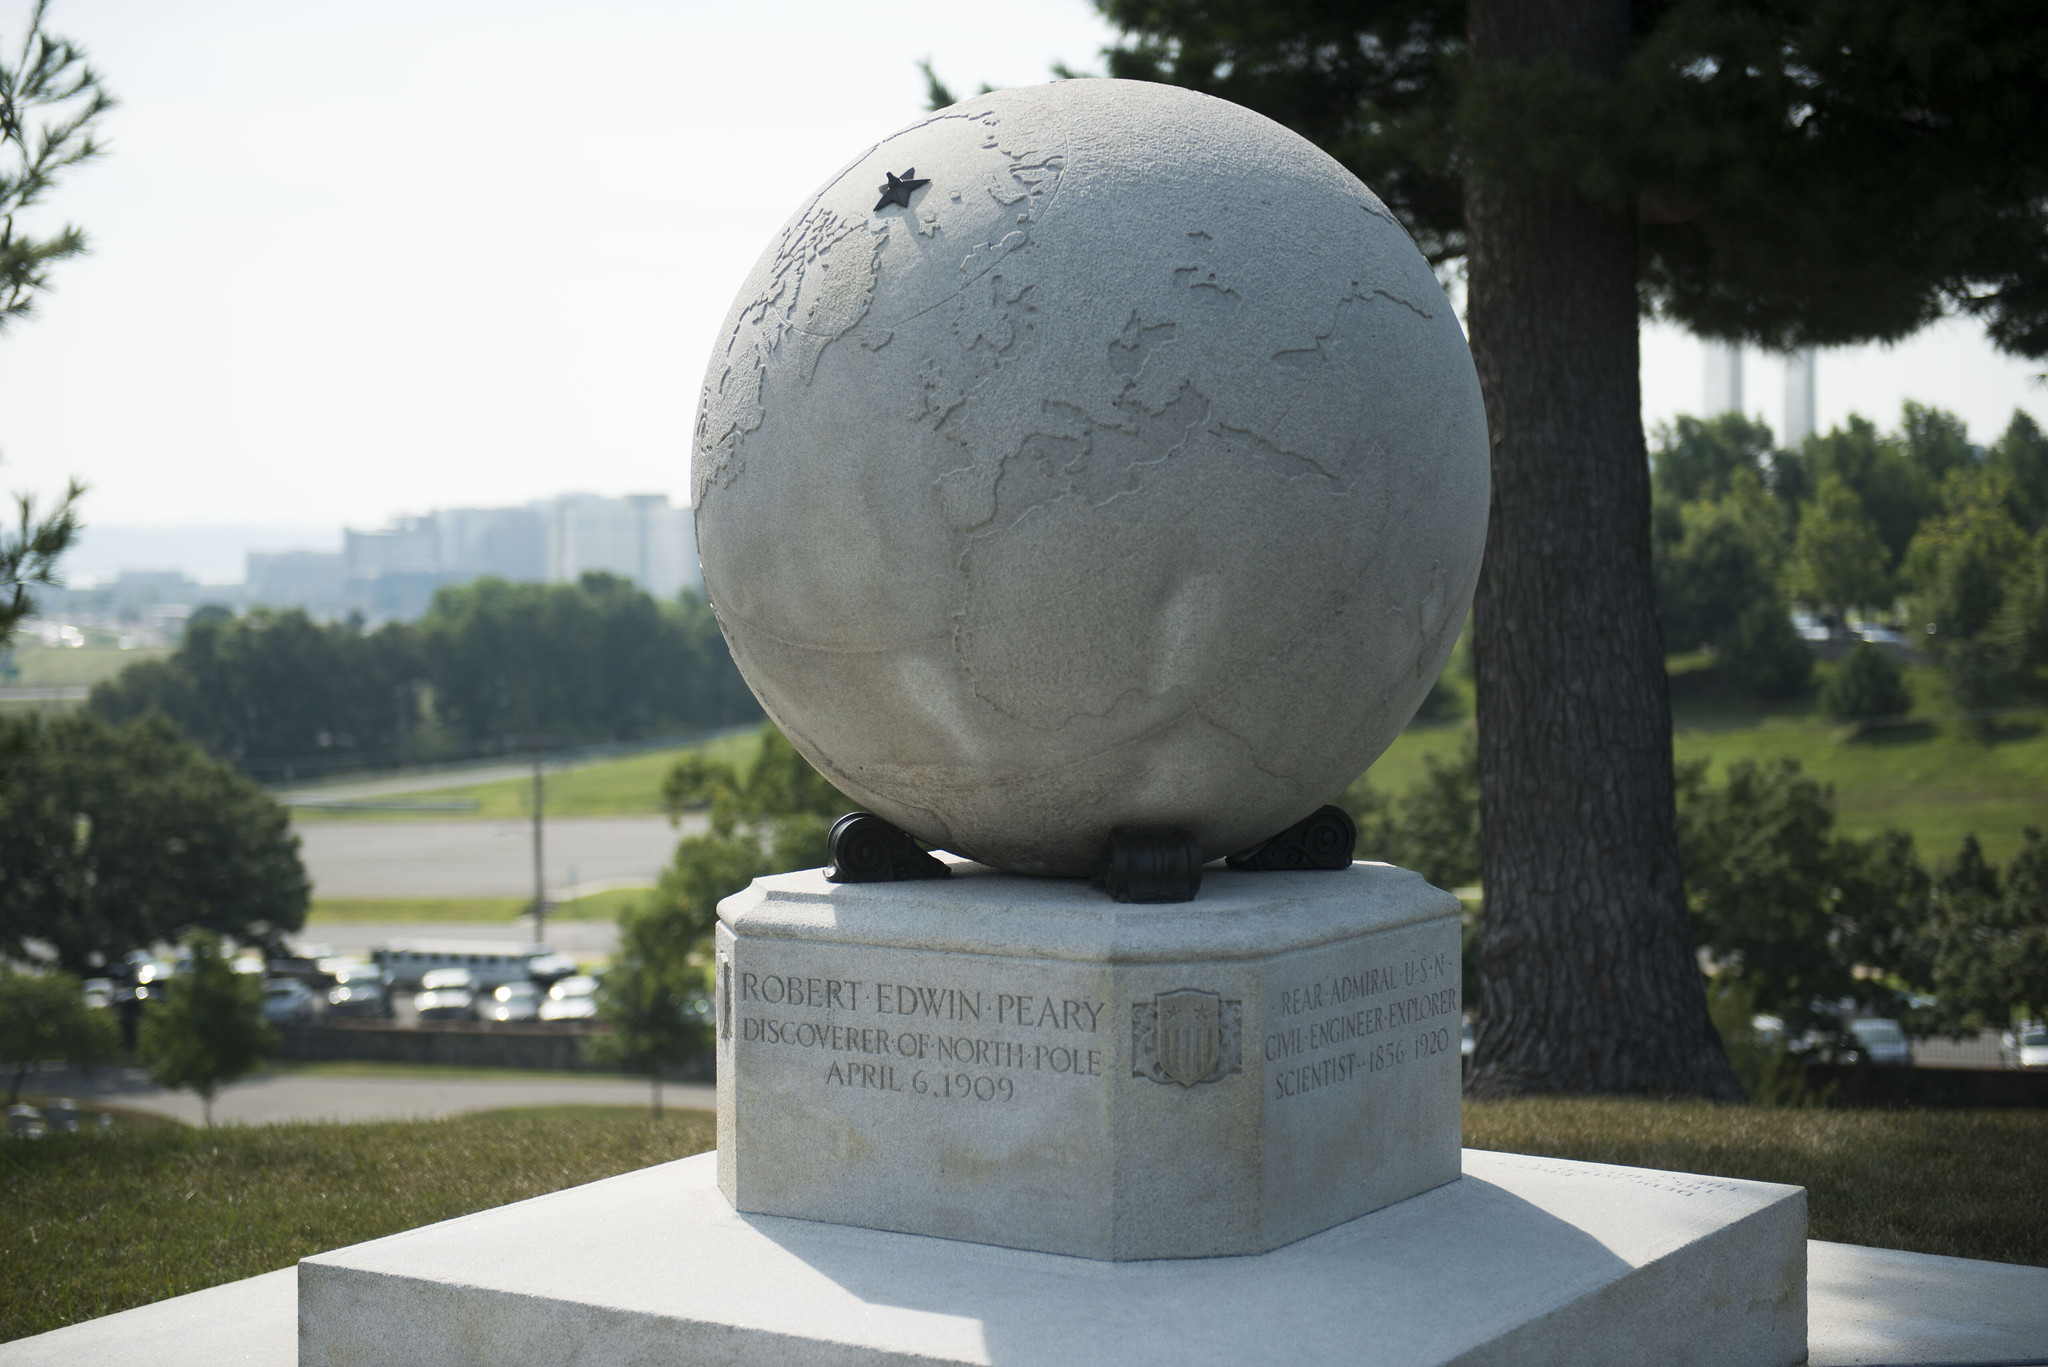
1866 687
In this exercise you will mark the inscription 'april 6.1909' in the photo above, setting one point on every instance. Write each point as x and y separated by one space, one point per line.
1350 1025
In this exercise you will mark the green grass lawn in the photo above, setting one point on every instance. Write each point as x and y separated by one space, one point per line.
47 667
599 906
1963 1183
1931 776
616 787
92 1224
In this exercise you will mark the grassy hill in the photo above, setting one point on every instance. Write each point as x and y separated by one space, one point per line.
1931 774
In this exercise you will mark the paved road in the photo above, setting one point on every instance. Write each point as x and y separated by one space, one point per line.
363 859
271 1098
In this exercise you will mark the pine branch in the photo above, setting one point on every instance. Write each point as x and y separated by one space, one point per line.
52 78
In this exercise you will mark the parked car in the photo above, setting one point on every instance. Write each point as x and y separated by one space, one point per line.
2025 1045
510 1002
287 1001
446 994
549 968
25 1122
572 999
1880 1041
363 998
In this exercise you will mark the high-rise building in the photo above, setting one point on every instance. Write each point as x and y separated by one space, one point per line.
1723 379
410 545
639 537
312 580
1800 414
394 572
510 543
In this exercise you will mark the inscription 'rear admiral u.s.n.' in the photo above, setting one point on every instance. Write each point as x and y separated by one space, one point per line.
1186 1036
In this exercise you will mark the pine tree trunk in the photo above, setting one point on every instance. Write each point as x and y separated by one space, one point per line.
1588 981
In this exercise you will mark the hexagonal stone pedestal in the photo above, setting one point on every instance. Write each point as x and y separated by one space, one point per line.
1025 1062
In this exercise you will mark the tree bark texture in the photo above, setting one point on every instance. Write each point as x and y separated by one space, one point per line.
1588 979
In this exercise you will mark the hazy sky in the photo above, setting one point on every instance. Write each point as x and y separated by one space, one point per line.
356 259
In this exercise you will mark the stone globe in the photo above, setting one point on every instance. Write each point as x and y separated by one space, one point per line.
1090 456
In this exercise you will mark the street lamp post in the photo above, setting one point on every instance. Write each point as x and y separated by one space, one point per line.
540 893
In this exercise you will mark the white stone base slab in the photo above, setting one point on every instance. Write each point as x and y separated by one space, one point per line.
1865 1307
1025 1062
1521 1261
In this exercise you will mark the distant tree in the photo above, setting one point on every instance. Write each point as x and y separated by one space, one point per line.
1892 490
2018 462
1695 459
1765 876
1839 562
208 1030
1432 827
276 686
599 659
1987 939
113 838
1961 566
2024 617
655 996
44 1018
1715 557
1936 441
1717 562
1763 654
768 816
1866 686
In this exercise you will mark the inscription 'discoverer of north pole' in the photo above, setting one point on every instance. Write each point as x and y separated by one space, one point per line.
955 1043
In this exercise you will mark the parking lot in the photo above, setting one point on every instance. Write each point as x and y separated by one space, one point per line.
364 1092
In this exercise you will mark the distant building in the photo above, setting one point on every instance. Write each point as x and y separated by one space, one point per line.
1799 397
639 537
511 543
315 581
1723 379
393 573
410 545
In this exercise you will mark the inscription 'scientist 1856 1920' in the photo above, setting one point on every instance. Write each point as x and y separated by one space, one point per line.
1344 1026
949 1042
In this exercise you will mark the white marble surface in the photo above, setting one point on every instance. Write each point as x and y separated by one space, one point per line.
1134 473
1522 1261
1024 1062
1866 1307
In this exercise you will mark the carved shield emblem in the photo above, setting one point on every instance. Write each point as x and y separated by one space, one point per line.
1190 1034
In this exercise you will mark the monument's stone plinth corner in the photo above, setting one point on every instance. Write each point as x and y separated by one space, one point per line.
1024 1062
